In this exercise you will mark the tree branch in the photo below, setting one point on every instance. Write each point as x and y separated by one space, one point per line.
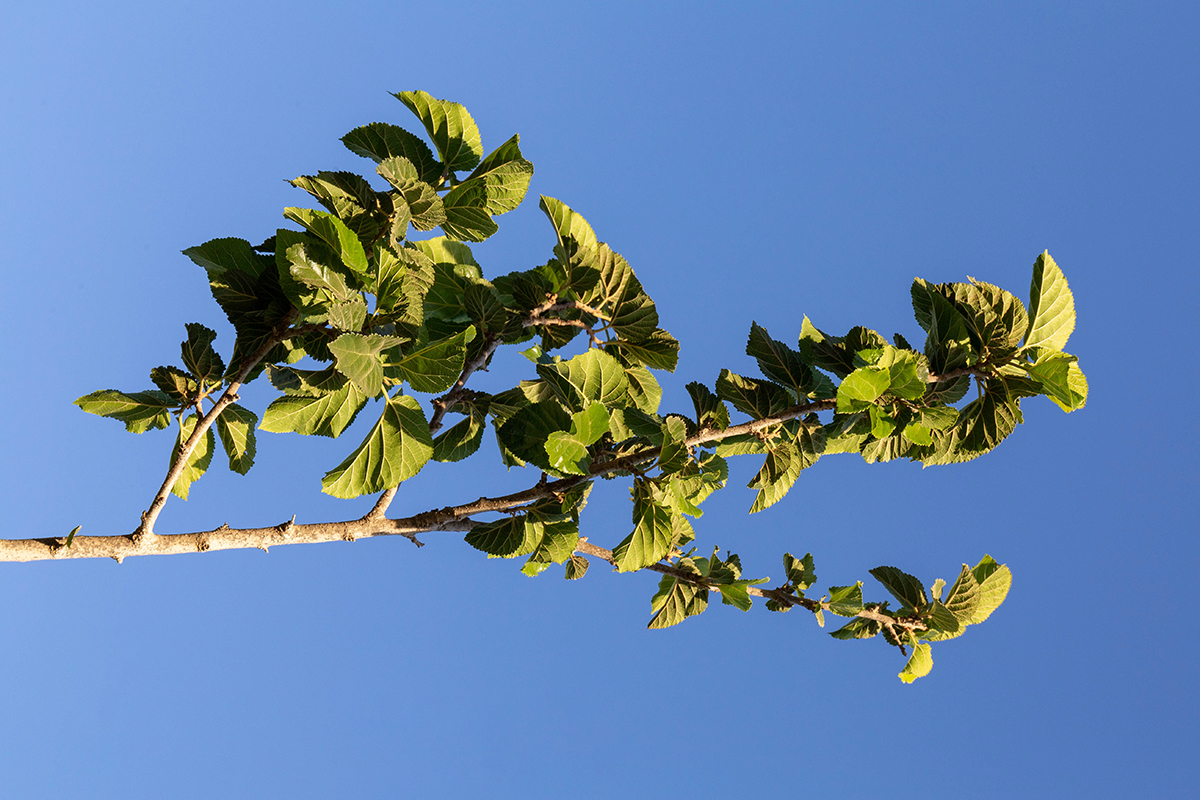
145 531
372 524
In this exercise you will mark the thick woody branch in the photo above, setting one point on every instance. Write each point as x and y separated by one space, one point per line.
373 524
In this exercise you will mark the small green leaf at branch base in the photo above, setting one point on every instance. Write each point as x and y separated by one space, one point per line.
198 461
71 535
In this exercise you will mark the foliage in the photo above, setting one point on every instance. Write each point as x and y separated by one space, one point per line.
354 310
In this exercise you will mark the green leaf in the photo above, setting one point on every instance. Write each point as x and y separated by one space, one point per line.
590 376
577 246
882 423
349 196
576 567
180 385
567 454
526 432
140 411
327 411
779 362
660 350
919 663
736 594
197 463
710 411
334 233
71 535
450 128
655 528
235 425
777 475
676 600
904 587
800 571
498 184
380 140
505 538
432 367
467 218
461 440
226 255
644 390
859 628
620 295
758 399
357 357
1051 306
846 601
917 434
1059 377
948 345
861 388
994 582
199 356
405 275
441 250
394 451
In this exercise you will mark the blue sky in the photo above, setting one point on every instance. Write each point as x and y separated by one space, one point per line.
753 161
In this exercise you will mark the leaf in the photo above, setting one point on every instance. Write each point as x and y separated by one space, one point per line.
450 127
994 582
1051 306
198 353
179 385
644 391
904 587
577 246
758 399
777 475
432 367
349 196
567 454
846 601
380 140
861 388
859 628
197 463
334 233
1059 377
948 345
710 411
526 432
779 362
619 293
140 411
404 277
459 441
651 538
226 255
591 376
71 535
357 357
660 350
919 663
505 538
675 601
576 568
394 451
235 425
467 219
333 404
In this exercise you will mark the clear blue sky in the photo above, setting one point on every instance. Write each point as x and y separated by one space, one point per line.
753 161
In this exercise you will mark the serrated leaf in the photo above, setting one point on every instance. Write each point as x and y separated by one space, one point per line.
592 376
235 425
857 629
460 440
334 233
347 195
660 350
777 475
994 582
395 450
180 385
380 140
710 411
450 128
325 414
846 601
1051 306
566 454
140 411
357 357
755 398
919 663
197 463
505 538
861 388
432 367
904 587
651 537
644 390
675 601
800 571
526 432
226 255
778 361
576 568
1059 377
198 353
619 293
